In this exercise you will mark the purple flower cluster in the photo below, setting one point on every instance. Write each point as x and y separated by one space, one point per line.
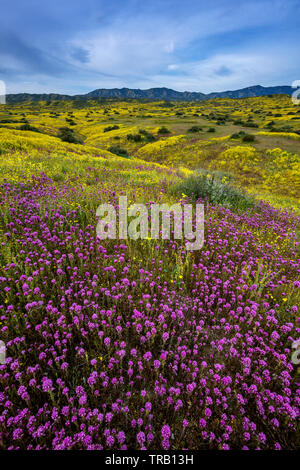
109 346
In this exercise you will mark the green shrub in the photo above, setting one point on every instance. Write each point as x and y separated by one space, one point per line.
7 121
67 135
141 136
211 129
111 128
248 138
216 189
118 150
237 135
163 130
148 137
71 122
194 129
134 137
28 127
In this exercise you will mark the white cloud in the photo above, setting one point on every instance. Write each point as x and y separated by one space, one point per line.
182 49
173 67
267 67
139 50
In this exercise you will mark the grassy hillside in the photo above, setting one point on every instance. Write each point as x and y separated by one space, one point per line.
256 140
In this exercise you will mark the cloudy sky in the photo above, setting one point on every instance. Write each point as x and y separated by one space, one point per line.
72 46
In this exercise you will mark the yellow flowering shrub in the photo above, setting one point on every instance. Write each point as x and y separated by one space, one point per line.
282 173
242 161
290 135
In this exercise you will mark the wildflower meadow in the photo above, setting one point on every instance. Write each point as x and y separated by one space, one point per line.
142 344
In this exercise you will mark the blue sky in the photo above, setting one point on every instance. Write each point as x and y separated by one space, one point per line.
72 46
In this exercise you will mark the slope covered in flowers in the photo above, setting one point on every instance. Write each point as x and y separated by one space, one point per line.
140 344
252 138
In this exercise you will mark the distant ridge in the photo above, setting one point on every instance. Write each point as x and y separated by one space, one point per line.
152 94
250 91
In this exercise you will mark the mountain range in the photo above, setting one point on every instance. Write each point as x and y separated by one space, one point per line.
152 94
